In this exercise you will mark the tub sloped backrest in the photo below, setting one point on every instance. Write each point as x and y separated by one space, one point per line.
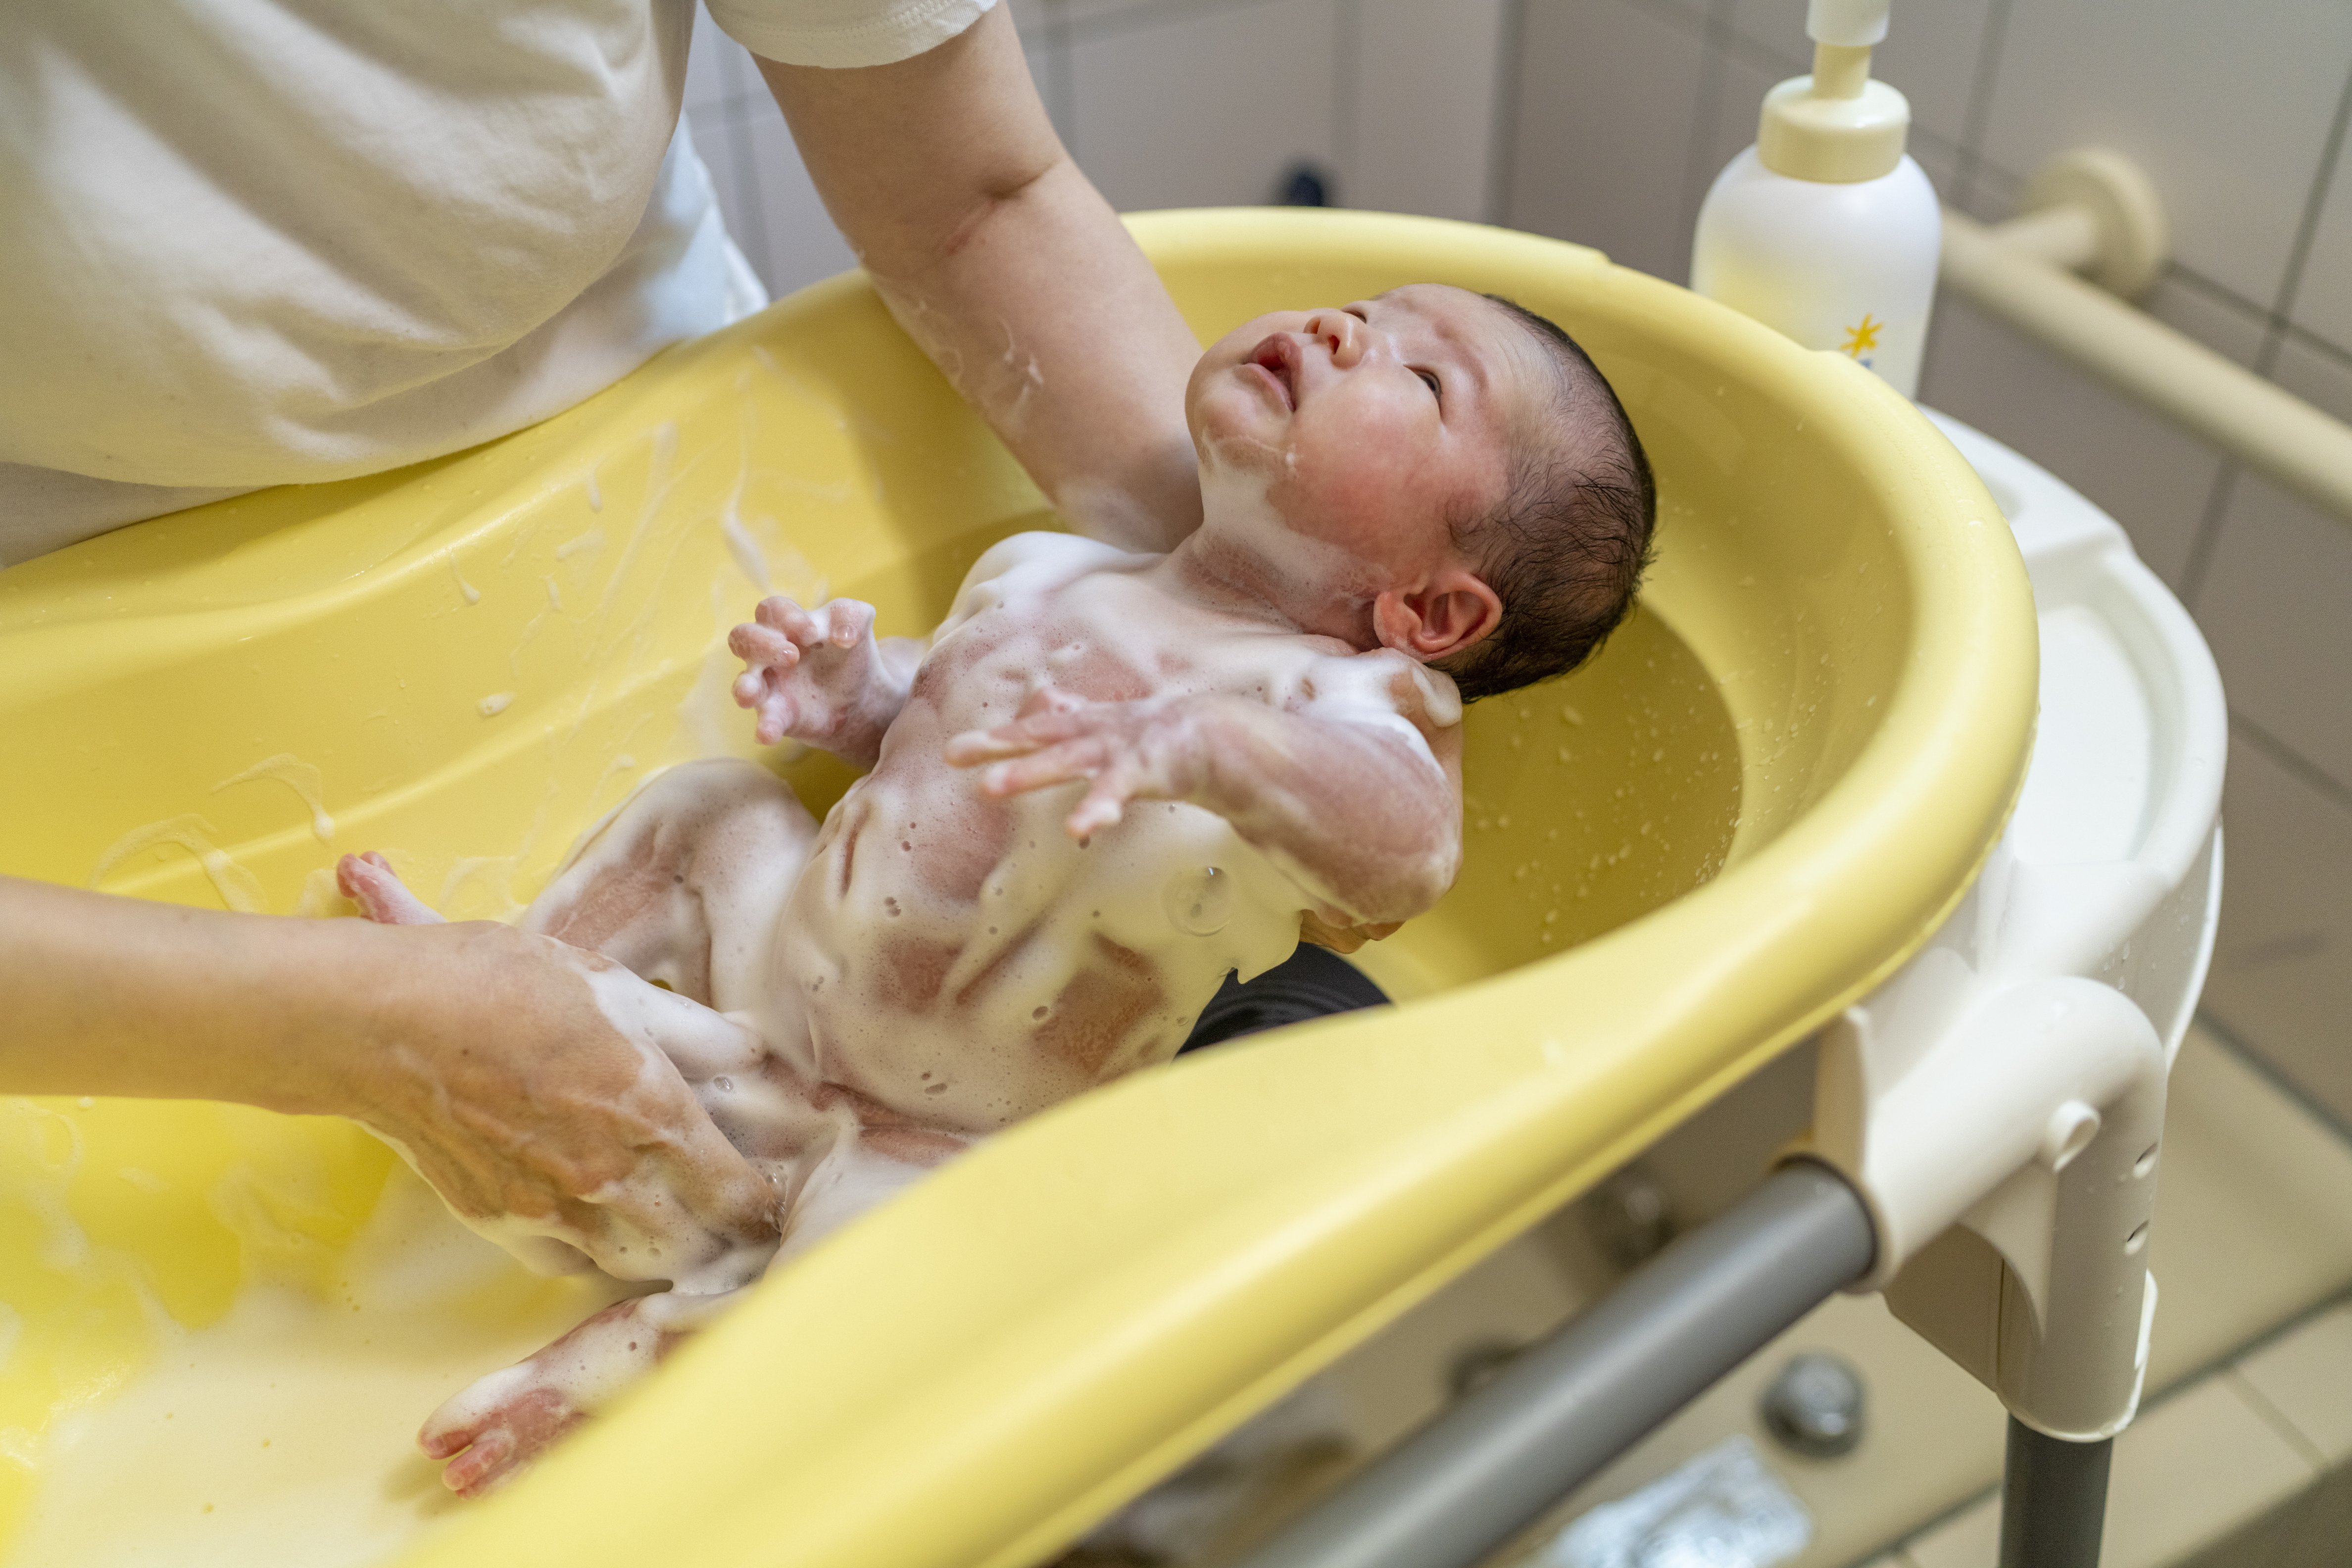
1760 799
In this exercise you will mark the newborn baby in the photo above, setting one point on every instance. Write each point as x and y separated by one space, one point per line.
1110 780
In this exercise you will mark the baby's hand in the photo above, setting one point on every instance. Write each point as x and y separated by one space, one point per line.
1157 749
811 672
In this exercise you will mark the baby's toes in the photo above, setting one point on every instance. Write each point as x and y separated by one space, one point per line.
488 1446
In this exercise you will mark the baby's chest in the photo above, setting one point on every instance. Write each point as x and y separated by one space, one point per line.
1108 640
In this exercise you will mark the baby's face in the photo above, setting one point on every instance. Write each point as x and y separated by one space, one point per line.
1375 425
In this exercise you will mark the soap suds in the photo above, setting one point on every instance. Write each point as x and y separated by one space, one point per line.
745 549
239 889
472 594
298 776
495 703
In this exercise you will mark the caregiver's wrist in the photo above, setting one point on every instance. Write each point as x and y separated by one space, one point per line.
350 994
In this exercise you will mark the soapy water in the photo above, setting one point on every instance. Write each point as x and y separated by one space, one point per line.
239 889
289 1419
298 776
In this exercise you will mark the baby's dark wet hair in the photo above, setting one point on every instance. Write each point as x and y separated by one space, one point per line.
1566 549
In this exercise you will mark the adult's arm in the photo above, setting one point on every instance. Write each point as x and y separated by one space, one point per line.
481 1050
1003 262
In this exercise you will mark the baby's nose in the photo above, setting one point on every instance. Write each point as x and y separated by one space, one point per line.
1340 332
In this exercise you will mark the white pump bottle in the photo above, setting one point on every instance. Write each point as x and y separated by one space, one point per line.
1826 229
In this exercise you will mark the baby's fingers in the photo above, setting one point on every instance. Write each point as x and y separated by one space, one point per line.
1081 758
974 747
1105 804
789 619
764 648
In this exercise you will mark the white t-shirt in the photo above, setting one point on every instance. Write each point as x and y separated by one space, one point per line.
257 242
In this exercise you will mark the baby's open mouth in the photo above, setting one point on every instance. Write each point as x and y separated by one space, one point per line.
1278 358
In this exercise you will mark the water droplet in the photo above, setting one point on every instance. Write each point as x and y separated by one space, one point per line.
1200 902
724 1085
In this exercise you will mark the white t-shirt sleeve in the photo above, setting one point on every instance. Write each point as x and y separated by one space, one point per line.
840 33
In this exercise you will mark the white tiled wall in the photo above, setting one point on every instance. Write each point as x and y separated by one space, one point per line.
2238 114
1603 120
1174 104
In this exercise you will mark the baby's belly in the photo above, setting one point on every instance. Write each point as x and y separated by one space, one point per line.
962 961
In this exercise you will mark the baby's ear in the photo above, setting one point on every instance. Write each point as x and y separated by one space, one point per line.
1454 612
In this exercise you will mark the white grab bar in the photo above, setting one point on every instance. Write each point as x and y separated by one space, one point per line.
2019 272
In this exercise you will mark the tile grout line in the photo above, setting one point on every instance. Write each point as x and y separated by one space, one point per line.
1503 149
1346 78
1979 111
2223 1366
2276 324
2306 231
2300 1096
1705 117
2272 1417
2294 762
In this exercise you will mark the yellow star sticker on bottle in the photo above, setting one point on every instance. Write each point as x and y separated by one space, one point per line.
1864 336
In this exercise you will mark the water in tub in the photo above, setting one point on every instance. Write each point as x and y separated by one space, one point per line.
257 1359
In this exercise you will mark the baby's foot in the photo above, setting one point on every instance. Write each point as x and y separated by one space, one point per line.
368 881
494 1429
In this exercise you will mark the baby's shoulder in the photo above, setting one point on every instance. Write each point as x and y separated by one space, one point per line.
1384 684
1044 558
1030 563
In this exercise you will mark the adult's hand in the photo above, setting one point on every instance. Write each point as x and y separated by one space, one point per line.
533 1084
1001 260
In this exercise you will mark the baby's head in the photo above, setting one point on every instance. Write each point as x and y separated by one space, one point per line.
1459 454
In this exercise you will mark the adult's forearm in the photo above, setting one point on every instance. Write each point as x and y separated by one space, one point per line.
1012 272
119 996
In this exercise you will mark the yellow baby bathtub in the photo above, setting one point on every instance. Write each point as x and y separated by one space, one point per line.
220 1327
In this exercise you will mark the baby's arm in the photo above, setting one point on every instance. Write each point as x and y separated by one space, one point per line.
821 676
1356 793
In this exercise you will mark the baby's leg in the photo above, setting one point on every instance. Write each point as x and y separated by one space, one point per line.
685 882
838 1171
499 1423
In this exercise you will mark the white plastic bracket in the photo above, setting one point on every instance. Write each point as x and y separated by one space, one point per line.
1999 1104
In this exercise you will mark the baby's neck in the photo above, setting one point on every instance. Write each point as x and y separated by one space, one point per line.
1246 558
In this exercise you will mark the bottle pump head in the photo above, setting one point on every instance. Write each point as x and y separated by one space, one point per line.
1837 126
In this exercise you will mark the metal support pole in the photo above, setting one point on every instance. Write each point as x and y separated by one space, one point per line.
1463 1485
2054 1499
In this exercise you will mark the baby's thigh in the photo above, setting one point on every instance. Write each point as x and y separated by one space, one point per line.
684 883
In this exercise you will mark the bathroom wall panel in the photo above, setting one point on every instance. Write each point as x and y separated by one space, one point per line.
1731 96
714 64
802 244
2228 108
2322 305
2138 466
2274 608
764 193
719 138
1607 94
2281 980
1204 108
1418 119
